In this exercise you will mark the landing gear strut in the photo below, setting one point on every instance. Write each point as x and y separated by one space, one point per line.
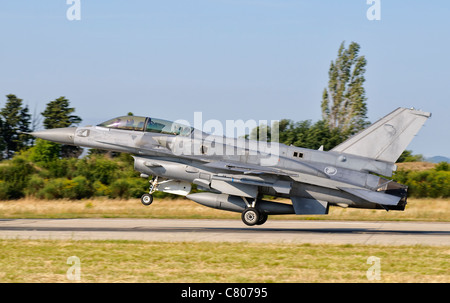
147 199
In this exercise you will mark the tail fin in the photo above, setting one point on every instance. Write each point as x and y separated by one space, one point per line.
386 139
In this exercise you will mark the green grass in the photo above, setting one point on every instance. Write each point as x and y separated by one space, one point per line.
135 261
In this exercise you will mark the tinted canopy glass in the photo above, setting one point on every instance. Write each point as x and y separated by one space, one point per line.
126 122
148 124
167 127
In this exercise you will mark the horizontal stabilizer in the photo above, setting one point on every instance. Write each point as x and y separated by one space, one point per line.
386 139
372 196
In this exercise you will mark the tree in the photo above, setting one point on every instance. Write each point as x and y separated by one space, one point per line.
344 110
301 134
15 123
319 134
58 114
344 101
44 152
2 142
407 156
24 127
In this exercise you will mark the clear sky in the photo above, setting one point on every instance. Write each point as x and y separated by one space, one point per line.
229 59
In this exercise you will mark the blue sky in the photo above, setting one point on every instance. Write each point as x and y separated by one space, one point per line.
229 59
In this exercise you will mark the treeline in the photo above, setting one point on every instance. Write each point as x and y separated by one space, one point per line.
46 170
38 174
16 122
302 134
431 183
69 178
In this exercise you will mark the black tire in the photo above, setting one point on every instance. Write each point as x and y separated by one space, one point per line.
250 216
262 219
146 199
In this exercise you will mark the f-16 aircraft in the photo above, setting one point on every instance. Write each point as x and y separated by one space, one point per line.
236 174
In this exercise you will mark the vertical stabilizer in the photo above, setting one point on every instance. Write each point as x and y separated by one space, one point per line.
386 139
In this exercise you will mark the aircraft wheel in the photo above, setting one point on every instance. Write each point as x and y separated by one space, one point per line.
250 216
262 219
146 199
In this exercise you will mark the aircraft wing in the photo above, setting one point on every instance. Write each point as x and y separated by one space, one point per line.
246 187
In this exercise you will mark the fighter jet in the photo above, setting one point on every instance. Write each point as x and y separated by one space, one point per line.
236 174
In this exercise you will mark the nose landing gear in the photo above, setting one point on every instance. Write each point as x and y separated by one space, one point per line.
147 199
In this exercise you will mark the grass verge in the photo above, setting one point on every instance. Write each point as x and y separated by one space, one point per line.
416 210
191 262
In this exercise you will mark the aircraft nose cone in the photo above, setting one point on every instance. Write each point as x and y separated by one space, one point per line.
59 135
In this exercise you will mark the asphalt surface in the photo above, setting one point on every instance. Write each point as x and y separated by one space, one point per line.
275 231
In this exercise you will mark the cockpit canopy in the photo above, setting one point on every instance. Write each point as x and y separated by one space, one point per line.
148 124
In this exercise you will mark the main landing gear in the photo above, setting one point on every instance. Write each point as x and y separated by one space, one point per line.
251 215
147 199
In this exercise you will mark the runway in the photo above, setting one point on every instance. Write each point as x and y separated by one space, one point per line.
275 231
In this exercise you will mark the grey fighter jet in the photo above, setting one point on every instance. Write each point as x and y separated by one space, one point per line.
235 174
